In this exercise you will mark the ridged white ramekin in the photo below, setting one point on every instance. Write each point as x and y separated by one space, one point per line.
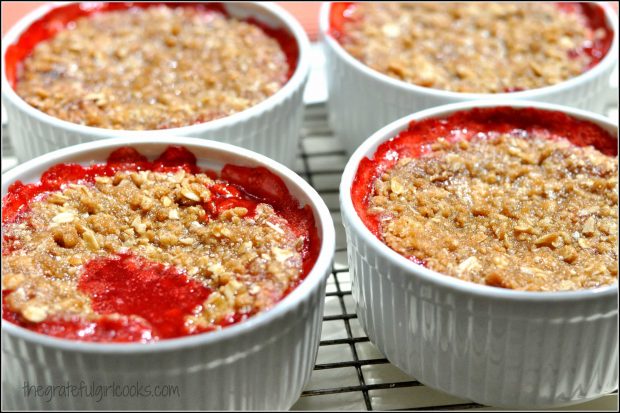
362 100
270 127
494 346
262 363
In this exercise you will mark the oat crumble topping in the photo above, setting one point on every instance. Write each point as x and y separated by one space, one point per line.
152 68
507 211
248 260
490 47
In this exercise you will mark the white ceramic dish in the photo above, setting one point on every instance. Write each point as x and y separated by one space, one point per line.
262 363
362 100
494 346
270 127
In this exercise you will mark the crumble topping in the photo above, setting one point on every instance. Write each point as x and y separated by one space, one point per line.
470 47
247 259
524 213
153 68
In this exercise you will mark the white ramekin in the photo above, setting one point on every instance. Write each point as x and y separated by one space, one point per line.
262 363
270 127
362 100
494 346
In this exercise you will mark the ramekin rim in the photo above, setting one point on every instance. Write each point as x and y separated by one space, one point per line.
353 222
293 84
611 58
298 295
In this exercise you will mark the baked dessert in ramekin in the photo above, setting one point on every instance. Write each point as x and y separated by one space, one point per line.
483 244
189 68
413 56
196 264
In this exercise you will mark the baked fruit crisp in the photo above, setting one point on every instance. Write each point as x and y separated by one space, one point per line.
134 250
486 47
519 199
146 66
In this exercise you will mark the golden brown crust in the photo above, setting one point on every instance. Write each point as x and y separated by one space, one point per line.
469 47
152 68
248 262
527 214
